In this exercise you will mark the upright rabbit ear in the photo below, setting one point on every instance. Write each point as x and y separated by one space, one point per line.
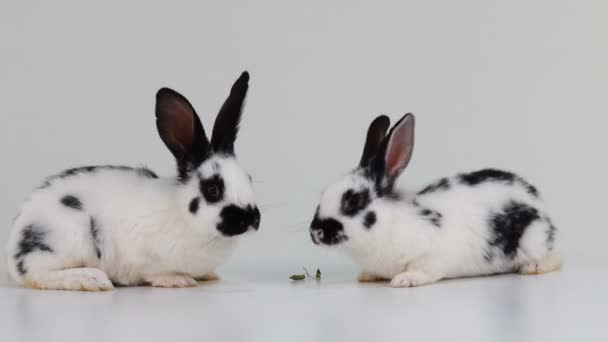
395 153
227 122
375 135
180 129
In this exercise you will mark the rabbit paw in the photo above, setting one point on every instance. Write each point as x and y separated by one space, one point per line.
412 279
75 279
172 280
552 262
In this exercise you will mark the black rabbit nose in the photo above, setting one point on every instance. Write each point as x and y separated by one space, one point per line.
327 231
236 220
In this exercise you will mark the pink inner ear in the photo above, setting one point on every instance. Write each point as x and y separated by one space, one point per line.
181 124
393 160
400 147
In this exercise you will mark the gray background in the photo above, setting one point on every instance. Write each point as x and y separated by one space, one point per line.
520 85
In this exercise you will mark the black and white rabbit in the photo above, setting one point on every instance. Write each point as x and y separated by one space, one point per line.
89 227
478 223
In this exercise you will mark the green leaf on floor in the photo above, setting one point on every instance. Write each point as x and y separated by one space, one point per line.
297 277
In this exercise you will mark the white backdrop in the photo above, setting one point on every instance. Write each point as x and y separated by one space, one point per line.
521 85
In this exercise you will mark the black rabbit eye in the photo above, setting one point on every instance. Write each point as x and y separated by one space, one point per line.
353 202
350 205
212 189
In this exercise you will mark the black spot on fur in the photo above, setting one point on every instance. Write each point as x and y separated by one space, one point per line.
369 220
487 175
440 185
20 268
236 220
212 188
145 172
381 191
493 175
194 204
141 171
332 230
530 188
354 202
95 237
432 216
509 225
71 201
32 239
550 234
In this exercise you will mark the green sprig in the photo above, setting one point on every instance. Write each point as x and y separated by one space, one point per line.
298 277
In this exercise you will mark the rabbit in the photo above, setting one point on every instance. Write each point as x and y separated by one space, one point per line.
478 223
91 228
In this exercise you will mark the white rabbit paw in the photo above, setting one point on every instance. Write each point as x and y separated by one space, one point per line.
412 279
171 280
75 279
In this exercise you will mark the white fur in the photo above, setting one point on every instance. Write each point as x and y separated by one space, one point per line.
405 247
146 231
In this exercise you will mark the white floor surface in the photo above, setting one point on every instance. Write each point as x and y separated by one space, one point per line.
570 305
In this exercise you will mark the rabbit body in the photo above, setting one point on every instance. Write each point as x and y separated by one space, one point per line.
459 230
478 223
91 227
122 221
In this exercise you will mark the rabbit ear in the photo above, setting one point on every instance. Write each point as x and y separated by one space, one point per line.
400 147
395 153
375 135
180 129
227 122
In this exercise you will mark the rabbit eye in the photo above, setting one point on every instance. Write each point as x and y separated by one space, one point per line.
353 202
351 205
212 189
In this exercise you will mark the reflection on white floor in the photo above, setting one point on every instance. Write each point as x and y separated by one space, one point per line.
567 306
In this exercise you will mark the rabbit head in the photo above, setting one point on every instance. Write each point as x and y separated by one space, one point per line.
351 207
216 193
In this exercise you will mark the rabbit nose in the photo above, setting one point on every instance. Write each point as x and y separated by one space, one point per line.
316 235
328 231
236 220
